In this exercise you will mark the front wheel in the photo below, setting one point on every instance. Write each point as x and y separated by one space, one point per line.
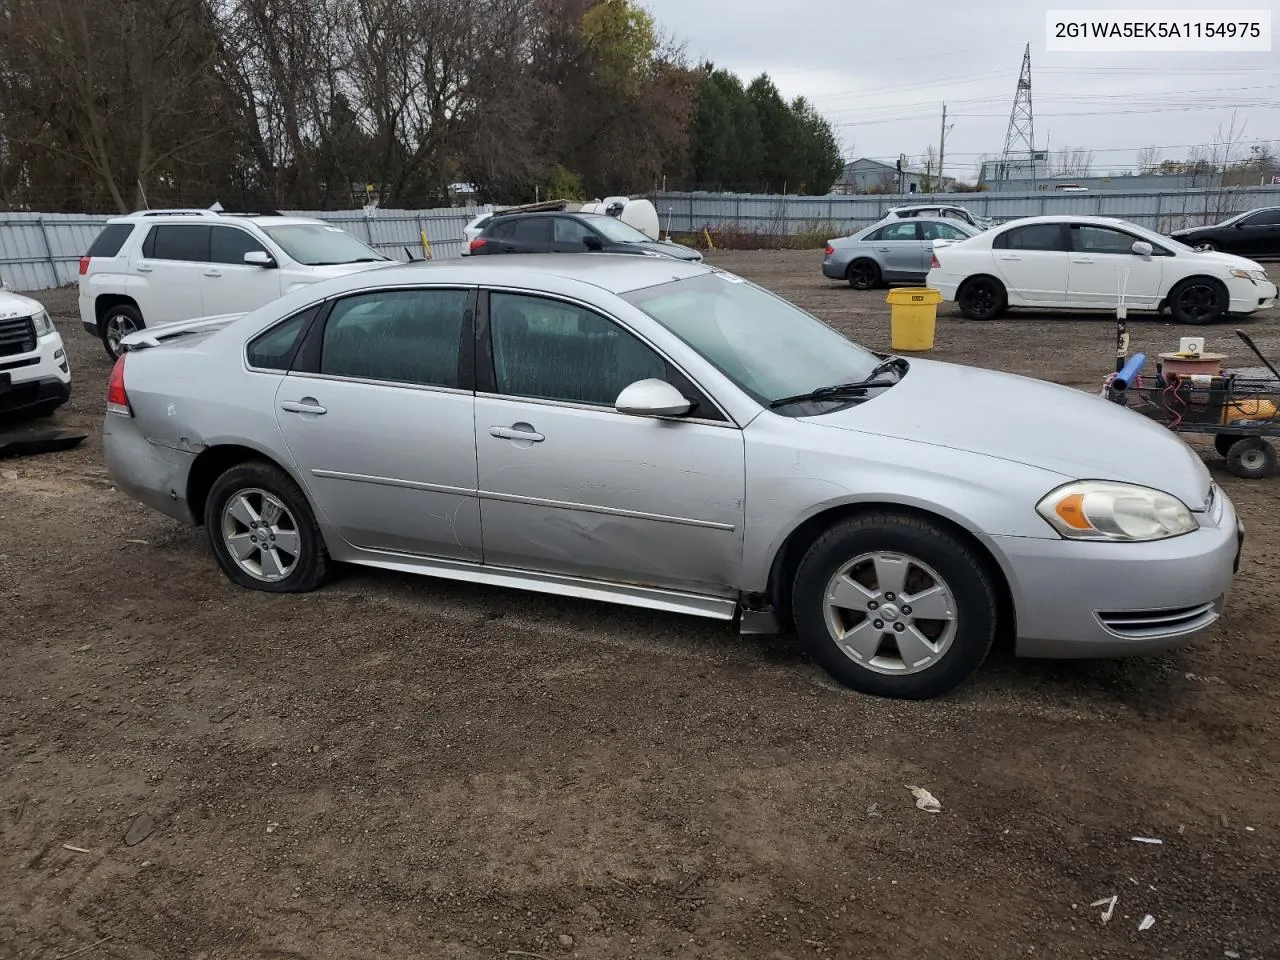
1206 246
263 532
982 298
1197 301
895 606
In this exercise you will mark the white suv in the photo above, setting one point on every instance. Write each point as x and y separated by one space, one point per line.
35 377
163 266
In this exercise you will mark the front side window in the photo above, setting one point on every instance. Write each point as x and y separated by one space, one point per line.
549 350
173 242
400 336
1088 239
770 348
571 231
1035 236
229 245
1266 218
275 349
617 231
320 245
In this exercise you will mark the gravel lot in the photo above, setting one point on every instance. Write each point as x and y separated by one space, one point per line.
395 767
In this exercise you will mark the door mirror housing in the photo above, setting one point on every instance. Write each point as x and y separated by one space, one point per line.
652 398
592 242
1142 248
259 258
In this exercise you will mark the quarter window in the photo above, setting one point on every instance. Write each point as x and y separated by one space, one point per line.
110 240
275 349
401 336
548 350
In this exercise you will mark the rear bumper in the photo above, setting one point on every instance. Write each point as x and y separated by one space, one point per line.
1080 600
835 269
151 474
88 316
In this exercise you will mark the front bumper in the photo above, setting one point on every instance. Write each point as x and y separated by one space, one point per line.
1250 295
38 379
1079 600
150 473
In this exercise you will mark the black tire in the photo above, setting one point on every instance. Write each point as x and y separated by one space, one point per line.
1198 300
963 572
120 315
1223 442
1207 246
863 274
312 564
982 298
1251 458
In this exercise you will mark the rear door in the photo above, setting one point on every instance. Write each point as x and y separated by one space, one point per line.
1104 266
377 413
231 285
172 264
900 250
530 235
1032 261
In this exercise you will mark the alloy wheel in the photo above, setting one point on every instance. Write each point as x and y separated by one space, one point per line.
261 535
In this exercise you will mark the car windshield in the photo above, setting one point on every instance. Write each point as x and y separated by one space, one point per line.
317 245
617 231
768 347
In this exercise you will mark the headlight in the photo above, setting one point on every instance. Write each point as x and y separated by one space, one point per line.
1098 510
43 325
1250 274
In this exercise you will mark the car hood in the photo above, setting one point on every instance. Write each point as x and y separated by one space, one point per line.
1075 434
16 305
1228 260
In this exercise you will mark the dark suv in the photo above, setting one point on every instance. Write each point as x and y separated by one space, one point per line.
571 233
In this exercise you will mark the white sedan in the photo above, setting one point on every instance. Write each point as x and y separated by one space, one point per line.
1090 263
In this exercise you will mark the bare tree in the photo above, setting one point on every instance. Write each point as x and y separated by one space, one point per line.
1148 160
1071 162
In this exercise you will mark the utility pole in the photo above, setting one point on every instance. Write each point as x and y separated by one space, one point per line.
942 147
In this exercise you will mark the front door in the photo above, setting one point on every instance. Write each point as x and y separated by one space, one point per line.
378 416
570 486
1259 235
231 285
1104 266
1032 261
900 250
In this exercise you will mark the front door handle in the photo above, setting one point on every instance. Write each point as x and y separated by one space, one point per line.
1083 260
212 273
306 405
520 431
143 268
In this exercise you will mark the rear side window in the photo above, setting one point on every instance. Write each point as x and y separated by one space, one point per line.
533 230
1034 236
400 336
173 242
275 349
501 230
110 240
229 245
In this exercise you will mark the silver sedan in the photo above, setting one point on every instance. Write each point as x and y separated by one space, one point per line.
667 435
892 251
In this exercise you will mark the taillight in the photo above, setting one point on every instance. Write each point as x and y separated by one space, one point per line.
84 265
933 262
476 244
828 250
117 398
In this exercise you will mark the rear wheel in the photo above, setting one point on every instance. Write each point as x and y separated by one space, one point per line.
263 532
1198 300
894 606
864 274
116 324
1251 458
982 298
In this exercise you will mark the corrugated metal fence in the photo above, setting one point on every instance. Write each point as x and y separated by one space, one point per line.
42 250
1162 211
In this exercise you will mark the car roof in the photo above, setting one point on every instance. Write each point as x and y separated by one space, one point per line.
613 272
927 206
576 214
213 216
1069 218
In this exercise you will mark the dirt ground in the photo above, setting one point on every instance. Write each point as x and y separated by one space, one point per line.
395 767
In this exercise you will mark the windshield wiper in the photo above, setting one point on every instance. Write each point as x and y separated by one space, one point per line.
836 391
887 364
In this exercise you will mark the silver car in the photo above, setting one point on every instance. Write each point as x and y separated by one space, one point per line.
668 435
894 251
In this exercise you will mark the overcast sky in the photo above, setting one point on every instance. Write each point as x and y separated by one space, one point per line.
880 72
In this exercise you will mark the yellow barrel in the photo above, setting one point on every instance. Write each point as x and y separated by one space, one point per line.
913 316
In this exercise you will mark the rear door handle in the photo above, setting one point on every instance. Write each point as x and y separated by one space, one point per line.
212 273
1009 256
1083 260
882 249
143 269
511 433
306 405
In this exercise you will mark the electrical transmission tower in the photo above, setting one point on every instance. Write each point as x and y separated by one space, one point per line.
1020 140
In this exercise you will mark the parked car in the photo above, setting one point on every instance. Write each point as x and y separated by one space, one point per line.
35 376
161 266
1088 263
1255 233
947 211
890 252
667 435
572 233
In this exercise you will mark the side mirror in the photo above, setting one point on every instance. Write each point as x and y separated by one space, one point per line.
592 242
1142 248
652 398
259 258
